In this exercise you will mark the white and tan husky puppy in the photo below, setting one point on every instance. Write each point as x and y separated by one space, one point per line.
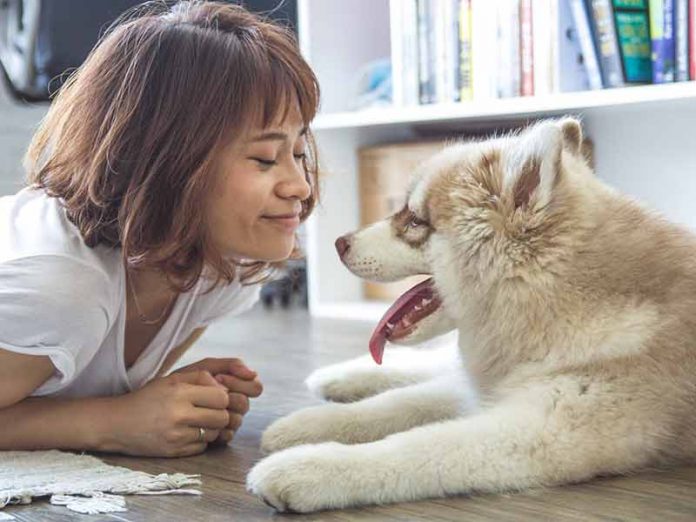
576 312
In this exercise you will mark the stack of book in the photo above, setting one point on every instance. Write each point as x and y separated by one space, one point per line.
457 50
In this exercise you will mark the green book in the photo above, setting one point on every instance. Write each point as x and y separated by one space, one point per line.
632 27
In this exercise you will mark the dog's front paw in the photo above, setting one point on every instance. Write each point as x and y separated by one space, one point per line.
355 380
302 479
306 426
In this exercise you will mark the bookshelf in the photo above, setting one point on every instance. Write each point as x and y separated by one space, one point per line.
644 136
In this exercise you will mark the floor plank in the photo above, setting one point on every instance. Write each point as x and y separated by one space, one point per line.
284 346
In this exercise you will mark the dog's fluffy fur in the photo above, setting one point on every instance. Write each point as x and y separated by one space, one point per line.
576 312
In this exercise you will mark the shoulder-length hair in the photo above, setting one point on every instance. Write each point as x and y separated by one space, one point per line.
130 140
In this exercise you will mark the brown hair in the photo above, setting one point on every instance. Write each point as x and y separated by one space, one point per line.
130 140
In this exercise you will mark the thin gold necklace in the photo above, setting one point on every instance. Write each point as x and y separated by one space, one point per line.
138 309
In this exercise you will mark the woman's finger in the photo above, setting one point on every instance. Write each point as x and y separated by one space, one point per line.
200 435
252 388
193 448
224 438
238 403
235 421
216 365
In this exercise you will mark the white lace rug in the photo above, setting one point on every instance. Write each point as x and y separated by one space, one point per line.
25 475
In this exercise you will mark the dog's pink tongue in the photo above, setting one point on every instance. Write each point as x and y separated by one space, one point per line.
377 342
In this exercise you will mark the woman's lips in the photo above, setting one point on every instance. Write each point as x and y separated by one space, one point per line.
287 222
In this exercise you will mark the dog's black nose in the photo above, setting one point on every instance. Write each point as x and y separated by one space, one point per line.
342 246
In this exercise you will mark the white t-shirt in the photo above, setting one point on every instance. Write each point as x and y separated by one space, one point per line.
63 299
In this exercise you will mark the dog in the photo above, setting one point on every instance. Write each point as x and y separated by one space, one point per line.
576 356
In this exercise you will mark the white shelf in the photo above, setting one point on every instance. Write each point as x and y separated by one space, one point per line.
502 109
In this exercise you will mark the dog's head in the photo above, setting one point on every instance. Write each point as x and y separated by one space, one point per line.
476 214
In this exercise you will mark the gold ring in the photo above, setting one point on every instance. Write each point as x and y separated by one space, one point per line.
201 434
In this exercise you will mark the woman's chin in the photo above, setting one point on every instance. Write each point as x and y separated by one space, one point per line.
274 255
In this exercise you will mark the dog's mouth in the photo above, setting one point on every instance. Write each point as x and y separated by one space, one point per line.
403 316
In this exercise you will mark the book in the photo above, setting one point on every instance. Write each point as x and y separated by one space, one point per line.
662 40
681 40
445 44
426 88
692 39
466 87
484 48
583 29
632 26
508 38
526 49
404 52
569 73
558 60
606 42
542 34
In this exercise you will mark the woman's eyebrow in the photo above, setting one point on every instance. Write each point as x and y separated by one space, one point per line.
276 135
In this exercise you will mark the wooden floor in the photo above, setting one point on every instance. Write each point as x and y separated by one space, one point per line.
284 347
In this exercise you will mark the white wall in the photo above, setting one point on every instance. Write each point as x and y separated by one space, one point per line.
650 153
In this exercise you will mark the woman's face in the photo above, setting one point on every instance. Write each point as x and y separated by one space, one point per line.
261 183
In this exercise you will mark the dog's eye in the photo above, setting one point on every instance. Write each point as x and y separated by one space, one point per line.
415 222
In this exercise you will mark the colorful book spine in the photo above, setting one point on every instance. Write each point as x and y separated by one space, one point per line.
466 86
425 73
570 73
409 47
484 47
526 49
692 39
681 40
633 28
662 36
439 30
453 49
606 42
507 83
542 34
583 28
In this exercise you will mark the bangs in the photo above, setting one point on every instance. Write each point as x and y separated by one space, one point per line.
284 89
274 78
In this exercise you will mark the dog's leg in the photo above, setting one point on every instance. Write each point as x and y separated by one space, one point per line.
540 438
359 378
373 418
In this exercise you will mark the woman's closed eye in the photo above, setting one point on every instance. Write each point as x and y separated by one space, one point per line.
266 162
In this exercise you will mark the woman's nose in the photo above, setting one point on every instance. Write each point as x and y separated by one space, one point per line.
295 185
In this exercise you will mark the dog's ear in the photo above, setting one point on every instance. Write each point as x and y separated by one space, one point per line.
534 164
572 134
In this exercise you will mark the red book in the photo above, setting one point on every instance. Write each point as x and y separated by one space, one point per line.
692 39
527 49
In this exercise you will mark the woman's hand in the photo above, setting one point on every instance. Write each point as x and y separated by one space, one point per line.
241 383
164 418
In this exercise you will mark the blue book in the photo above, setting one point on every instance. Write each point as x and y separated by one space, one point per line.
662 37
606 42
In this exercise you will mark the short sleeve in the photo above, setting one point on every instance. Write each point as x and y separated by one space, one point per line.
55 306
232 299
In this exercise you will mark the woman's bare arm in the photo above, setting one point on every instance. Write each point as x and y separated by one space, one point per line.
161 419
21 374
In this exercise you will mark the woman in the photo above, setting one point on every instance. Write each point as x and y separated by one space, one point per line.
168 178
